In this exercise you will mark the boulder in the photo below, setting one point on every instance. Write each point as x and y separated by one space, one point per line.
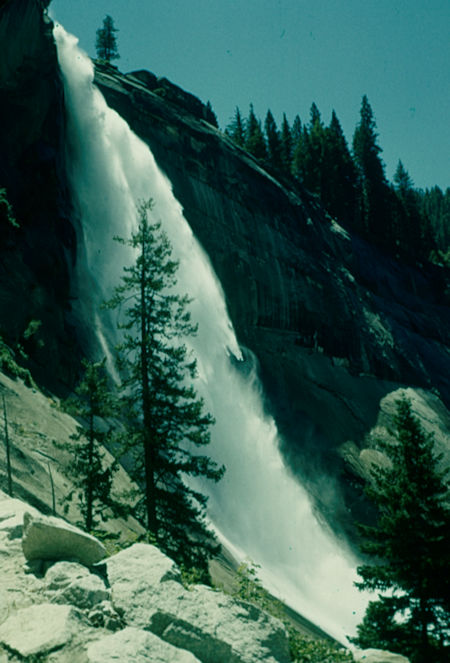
132 645
378 656
219 629
11 515
47 537
39 629
216 628
69 582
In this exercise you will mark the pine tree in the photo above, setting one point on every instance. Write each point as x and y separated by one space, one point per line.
236 128
254 137
274 145
411 540
339 181
106 41
287 145
166 422
91 477
296 131
372 183
309 156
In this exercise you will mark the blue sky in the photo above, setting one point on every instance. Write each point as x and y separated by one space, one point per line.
285 54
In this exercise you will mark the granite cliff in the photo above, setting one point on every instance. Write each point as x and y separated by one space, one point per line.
335 325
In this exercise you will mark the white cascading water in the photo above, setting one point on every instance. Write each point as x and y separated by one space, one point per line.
259 510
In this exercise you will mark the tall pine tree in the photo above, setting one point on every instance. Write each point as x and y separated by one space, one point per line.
254 138
167 423
410 543
236 128
372 184
274 145
339 181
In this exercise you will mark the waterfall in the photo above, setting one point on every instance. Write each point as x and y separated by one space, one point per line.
259 510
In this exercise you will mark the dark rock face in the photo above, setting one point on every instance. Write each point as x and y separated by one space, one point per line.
334 323
36 259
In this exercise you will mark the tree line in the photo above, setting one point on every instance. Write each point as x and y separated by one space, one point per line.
350 182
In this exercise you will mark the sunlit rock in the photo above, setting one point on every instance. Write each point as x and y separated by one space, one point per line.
46 537
132 645
39 629
68 582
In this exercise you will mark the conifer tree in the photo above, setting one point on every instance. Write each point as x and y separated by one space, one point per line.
166 421
287 144
236 128
106 41
410 543
296 131
339 181
254 137
372 183
309 157
274 146
91 477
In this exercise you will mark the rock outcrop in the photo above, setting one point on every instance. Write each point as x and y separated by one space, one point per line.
133 606
36 259
378 656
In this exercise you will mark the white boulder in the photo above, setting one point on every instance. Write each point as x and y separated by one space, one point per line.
47 537
69 582
216 628
39 629
132 645
11 515
378 656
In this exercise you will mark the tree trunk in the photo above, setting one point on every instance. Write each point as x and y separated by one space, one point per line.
148 443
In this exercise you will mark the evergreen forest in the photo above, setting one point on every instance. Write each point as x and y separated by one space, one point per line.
410 224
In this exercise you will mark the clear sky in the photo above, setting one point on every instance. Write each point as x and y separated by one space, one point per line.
285 54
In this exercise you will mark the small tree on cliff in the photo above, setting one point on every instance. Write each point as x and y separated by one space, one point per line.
91 476
410 544
166 419
106 42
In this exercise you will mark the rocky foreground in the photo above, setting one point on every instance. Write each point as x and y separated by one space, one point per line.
63 600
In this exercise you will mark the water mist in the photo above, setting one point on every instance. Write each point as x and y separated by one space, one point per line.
259 510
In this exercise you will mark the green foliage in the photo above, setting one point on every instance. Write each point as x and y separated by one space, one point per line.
308 650
381 630
236 128
274 144
91 477
410 543
106 41
164 418
9 365
255 142
6 210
